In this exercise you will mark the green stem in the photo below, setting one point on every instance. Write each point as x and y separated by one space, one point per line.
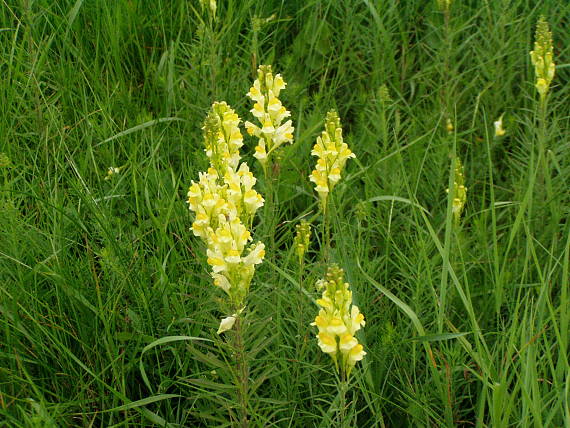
242 373
269 209
301 270
343 386
326 231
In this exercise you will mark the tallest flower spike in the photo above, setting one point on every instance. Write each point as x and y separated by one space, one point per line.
224 202
542 57
270 112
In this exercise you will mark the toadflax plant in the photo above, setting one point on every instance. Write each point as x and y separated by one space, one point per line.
332 153
224 202
338 321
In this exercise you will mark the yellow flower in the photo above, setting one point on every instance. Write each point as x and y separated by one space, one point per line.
268 109
542 57
499 130
338 320
332 153
327 343
226 324
355 354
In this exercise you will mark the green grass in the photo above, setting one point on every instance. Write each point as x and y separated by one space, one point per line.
466 326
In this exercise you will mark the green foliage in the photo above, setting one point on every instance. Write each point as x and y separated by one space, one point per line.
104 289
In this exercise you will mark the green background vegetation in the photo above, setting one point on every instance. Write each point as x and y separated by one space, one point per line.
92 271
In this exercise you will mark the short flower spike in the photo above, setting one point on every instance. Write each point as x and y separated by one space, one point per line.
332 153
460 197
338 321
302 239
271 132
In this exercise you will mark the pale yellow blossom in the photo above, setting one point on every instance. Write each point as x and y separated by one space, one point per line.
499 130
226 324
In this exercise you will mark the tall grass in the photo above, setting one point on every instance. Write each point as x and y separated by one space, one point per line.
108 316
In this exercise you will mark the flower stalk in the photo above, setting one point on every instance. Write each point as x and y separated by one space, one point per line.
332 153
272 132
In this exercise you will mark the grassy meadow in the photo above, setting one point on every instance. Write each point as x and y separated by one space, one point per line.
108 312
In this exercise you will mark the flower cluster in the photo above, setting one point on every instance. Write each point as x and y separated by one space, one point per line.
332 153
112 171
338 321
225 202
270 112
302 239
542 57
460 191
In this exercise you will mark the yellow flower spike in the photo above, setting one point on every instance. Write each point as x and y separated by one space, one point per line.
542 57
224 202
270 112
338 320
460 197
332 153
222 137
302 239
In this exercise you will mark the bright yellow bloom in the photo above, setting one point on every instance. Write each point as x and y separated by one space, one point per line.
270 113
542 57
338 321
332 153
